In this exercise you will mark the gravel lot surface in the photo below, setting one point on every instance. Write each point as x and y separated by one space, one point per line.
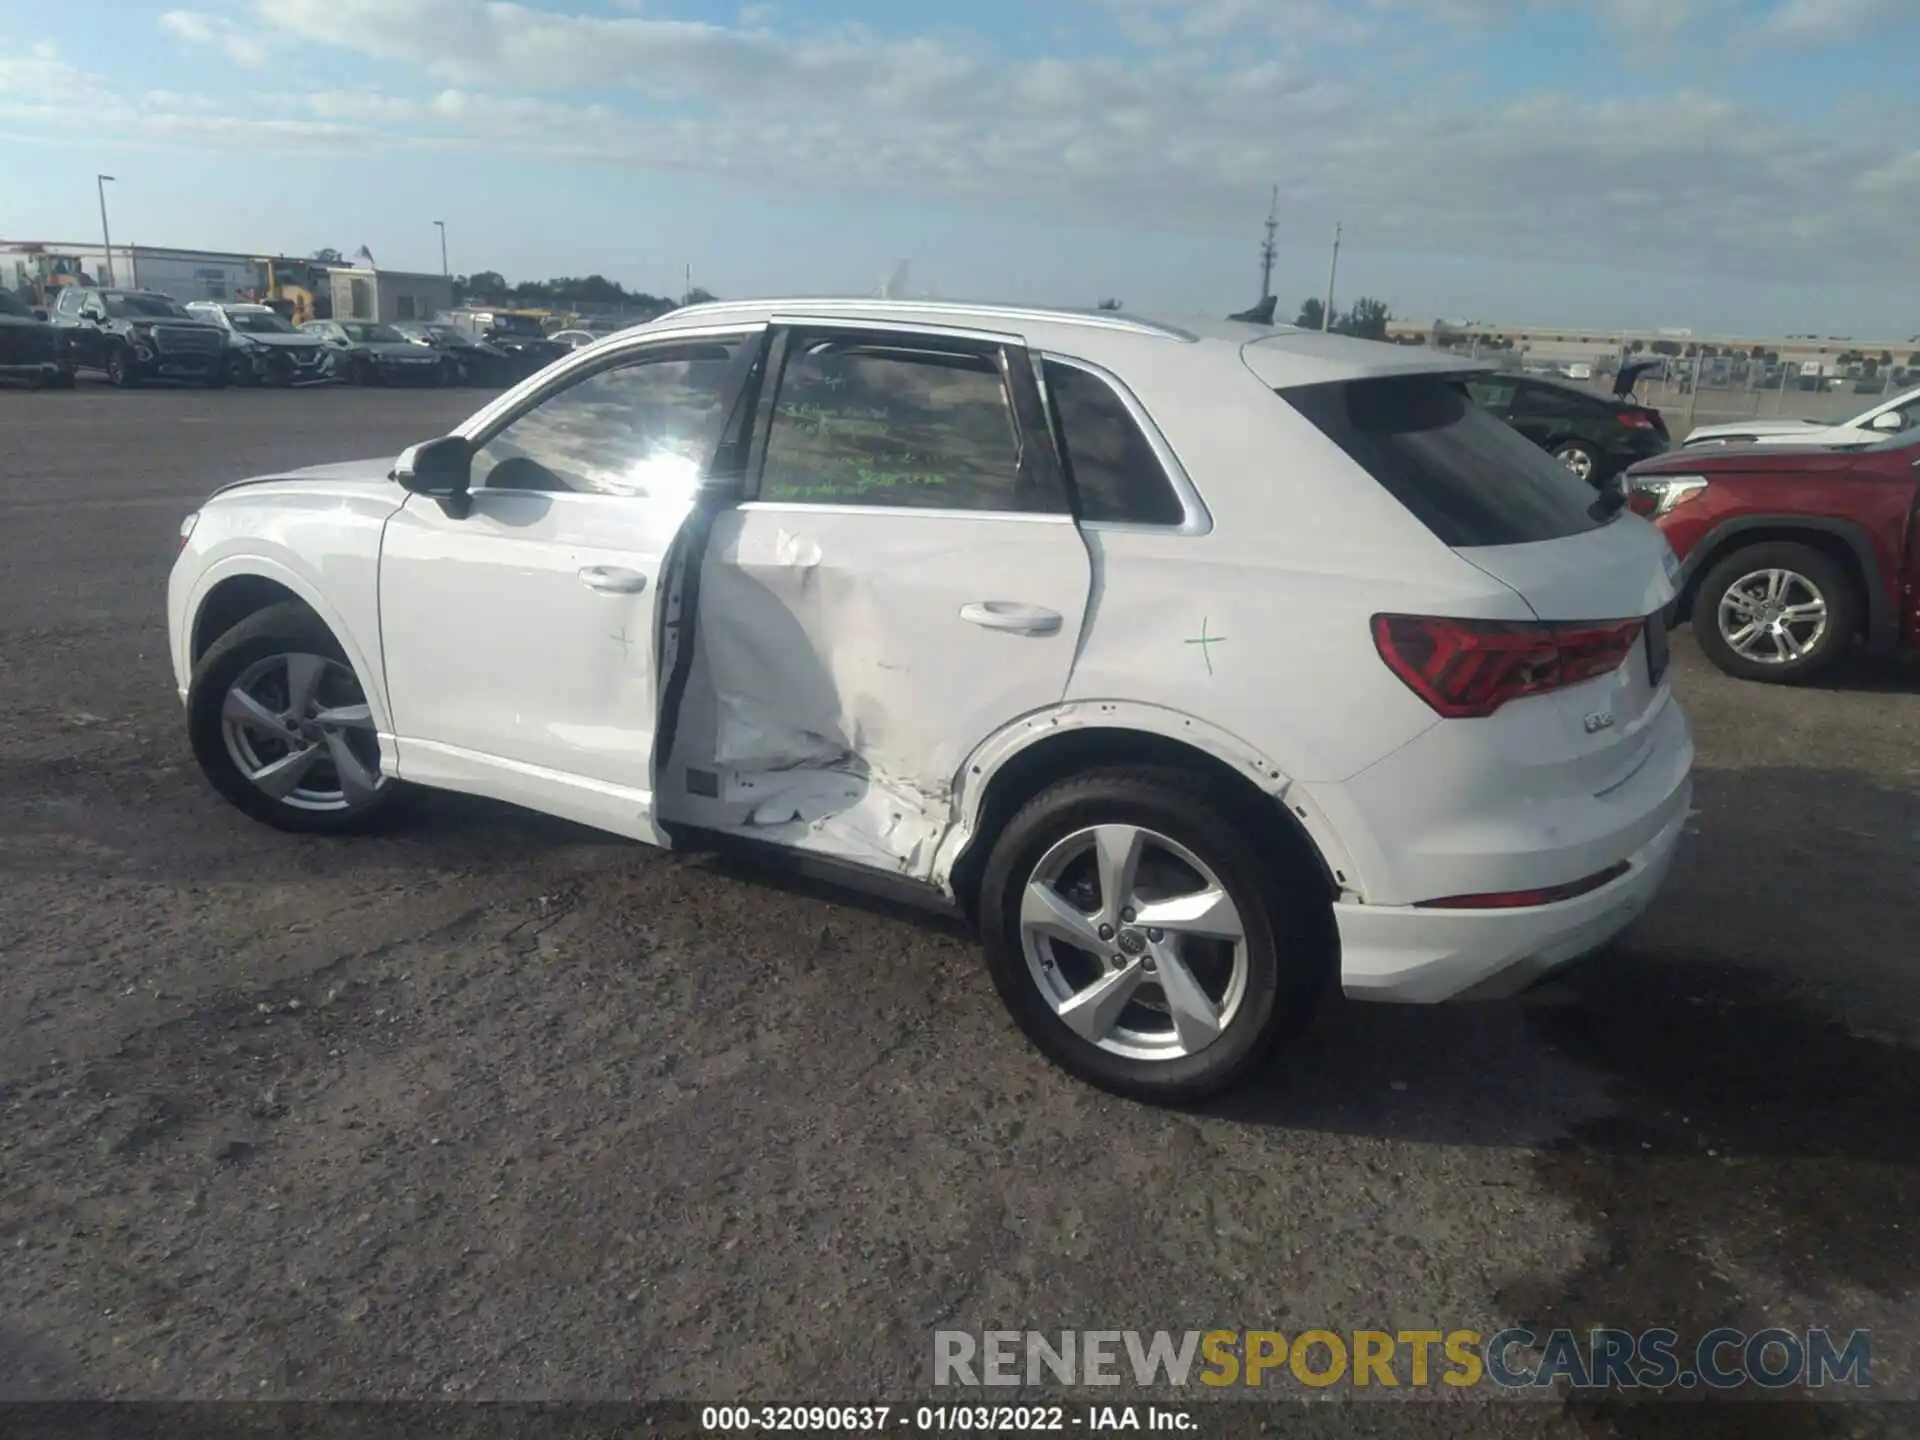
496 1107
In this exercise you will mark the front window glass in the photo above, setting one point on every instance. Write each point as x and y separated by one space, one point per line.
126 305
641 429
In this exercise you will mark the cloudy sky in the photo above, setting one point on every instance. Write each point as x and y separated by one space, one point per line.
1732 165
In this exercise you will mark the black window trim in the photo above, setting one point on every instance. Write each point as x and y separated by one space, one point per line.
480 429
1018 376
1196 519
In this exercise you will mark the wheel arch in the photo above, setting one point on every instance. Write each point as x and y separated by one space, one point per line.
1841 541
230 590
1023 758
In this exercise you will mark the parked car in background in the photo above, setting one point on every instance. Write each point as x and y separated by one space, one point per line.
574 339
1892 416
519 335
263 348
684 586
31 349
365 352
131 336
1594 437
1790 554
467 361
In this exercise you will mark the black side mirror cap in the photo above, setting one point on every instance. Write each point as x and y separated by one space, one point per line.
441 470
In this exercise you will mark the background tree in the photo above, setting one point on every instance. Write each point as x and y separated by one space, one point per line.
486 284
1666 347
1108 304
1367 320
1312 314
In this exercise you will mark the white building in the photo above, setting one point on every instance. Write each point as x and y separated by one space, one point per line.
186 275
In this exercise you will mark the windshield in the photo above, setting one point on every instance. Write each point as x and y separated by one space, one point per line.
374 334
446 334
517 325
124 306
256 322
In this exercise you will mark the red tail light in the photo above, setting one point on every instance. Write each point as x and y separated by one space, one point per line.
1466 669
1523 899
1636 420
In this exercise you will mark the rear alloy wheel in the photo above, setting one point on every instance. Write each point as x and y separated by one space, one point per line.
282 728
1778 612
1579 459
1137 935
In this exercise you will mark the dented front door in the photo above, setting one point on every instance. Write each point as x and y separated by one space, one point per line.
906 580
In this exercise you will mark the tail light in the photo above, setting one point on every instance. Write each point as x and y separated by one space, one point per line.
1525 899
1466 669
186 528
1636 420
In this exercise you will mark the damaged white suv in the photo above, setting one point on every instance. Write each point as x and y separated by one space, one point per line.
1201 667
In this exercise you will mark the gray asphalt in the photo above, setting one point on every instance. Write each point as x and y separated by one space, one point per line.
497 1107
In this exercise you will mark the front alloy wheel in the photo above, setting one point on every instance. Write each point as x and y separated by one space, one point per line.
1778 611
282 728
1773 617
1579 459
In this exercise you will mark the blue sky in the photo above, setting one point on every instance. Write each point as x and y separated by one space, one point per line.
1730 165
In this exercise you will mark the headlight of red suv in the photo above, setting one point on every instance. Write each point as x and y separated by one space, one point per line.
1657 495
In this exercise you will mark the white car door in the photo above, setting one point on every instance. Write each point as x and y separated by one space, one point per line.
521 629
905 579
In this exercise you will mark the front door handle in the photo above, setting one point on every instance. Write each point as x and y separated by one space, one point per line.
1011 616
612 580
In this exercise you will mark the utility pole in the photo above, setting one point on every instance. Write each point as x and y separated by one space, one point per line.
1268 251
1333 271
443 249
686 294
106 236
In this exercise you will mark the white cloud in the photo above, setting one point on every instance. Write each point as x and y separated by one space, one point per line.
235 41
1830 22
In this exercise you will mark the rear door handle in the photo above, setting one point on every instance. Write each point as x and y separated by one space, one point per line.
612 580
1011 616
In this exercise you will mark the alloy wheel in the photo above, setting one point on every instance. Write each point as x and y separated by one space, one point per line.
1773 617
1134 942
298 728
1576 459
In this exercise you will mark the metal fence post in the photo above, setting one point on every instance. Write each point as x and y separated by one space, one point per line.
1693 399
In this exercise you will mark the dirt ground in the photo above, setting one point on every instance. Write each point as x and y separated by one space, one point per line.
493 1107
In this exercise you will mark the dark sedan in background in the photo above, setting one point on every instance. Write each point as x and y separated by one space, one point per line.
366 352
30 348
1594 437
467 361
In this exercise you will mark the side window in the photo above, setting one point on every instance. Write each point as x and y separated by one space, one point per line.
1543 402
1494 394
641 428
1112 463
907 423
69 302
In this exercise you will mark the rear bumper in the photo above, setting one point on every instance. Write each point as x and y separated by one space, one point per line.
1402 953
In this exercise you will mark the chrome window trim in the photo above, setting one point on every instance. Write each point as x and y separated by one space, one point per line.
926 512
887 313
1196 518
896 327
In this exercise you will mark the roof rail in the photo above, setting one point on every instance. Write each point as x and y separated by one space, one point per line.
1095 319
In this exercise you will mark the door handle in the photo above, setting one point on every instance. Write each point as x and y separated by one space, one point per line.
612 580
1010 616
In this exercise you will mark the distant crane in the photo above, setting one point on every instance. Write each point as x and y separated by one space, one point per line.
1270 251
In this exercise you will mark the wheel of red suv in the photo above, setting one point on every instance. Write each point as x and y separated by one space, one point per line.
281 727
1779 611
1578 458
122 373
1142 938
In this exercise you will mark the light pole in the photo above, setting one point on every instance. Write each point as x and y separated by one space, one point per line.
443 249
1333 270
106 236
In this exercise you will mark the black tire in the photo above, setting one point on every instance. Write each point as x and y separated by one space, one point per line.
62 379
1285 919
216 378
1581 459
1827 579
278 629
123 371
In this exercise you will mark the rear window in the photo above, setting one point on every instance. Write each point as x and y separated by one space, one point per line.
1469 477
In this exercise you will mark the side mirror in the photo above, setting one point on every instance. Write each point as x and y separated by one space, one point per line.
440 469
1890 423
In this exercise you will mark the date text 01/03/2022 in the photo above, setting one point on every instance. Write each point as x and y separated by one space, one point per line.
814 1419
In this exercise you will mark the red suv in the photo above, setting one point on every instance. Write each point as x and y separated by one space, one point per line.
1788 555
